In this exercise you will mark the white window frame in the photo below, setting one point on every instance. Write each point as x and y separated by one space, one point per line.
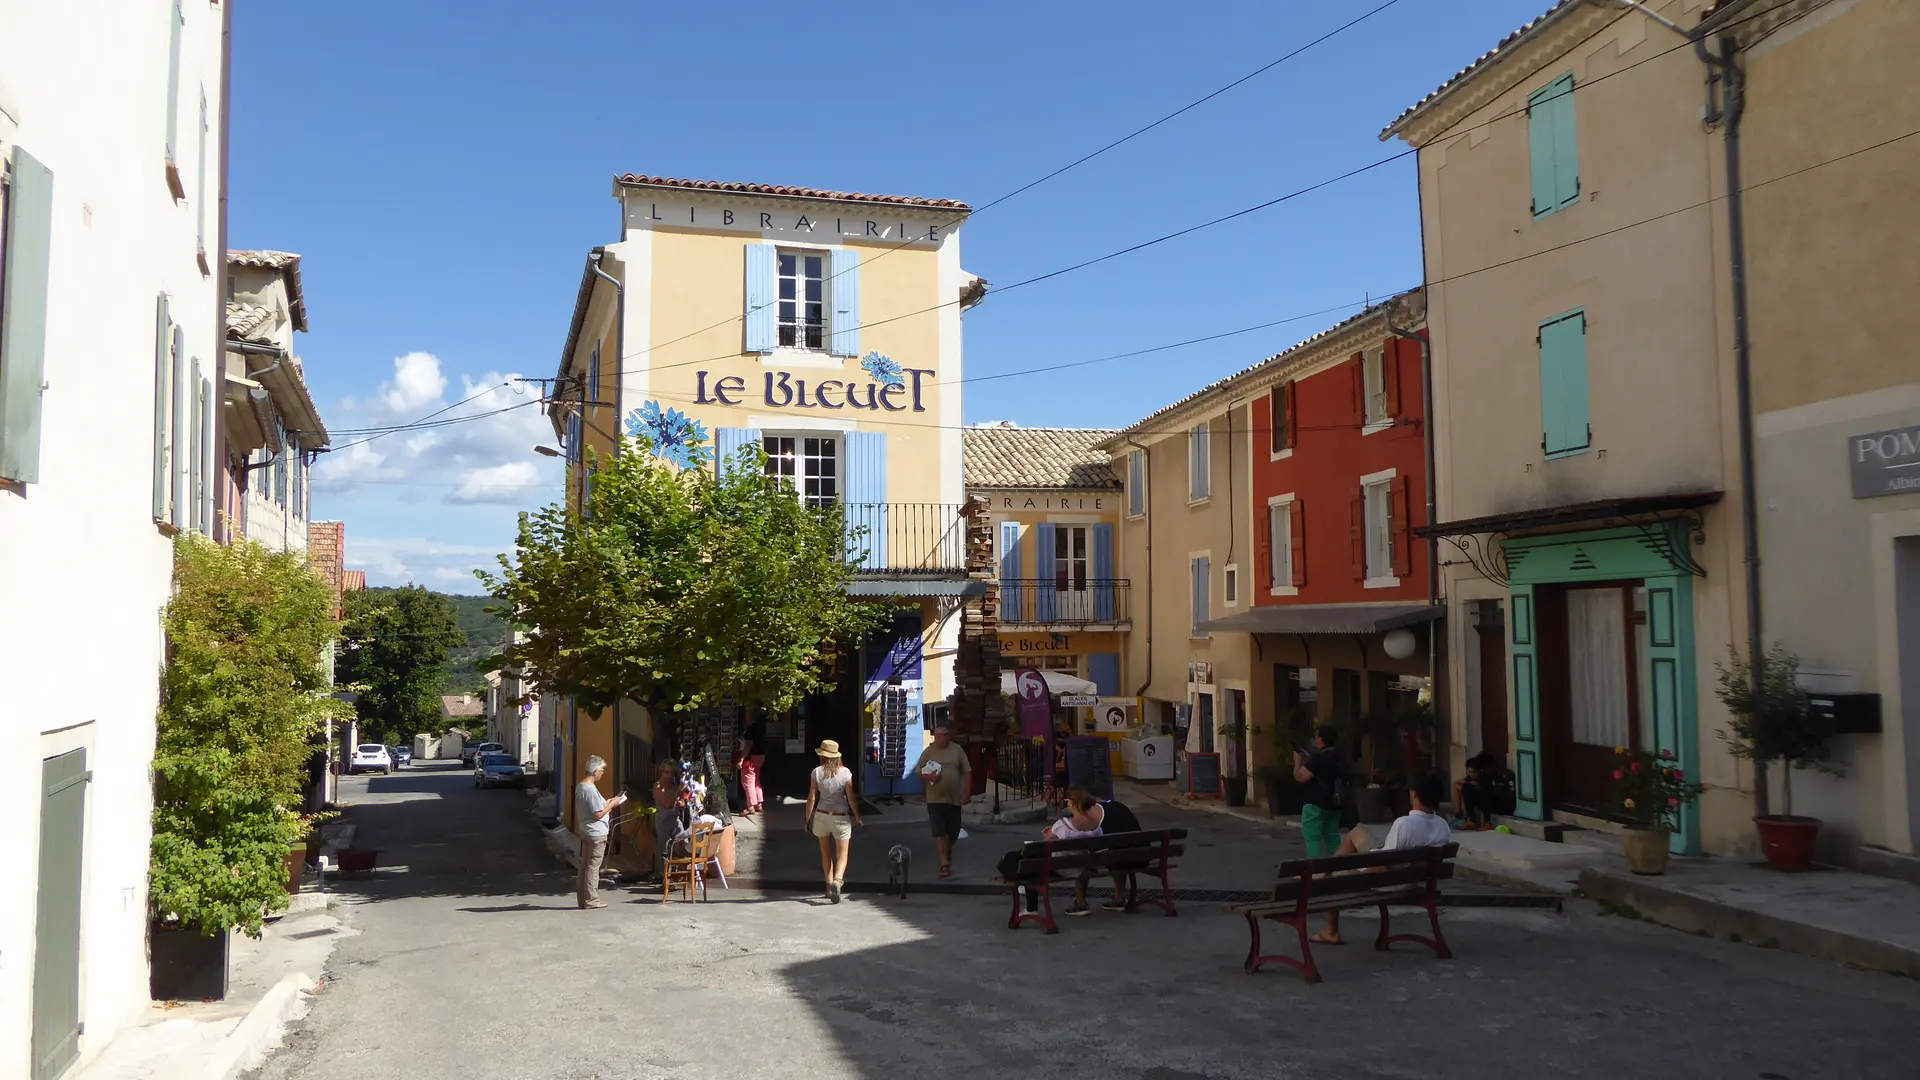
1378 531
1230 585
1280 517
1193 623
1278 393
1200 462
1373 382
799 278
795 473
1136 483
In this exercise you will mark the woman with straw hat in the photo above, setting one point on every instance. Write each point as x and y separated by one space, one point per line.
832 811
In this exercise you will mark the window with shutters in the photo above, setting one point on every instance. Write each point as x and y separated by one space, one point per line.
802 311
1552 147
806 463
1280 421
1202 567
1230 584
1377 495
175 22
200 194
1136 483
1373 367
1199 470
1281 556
1565 427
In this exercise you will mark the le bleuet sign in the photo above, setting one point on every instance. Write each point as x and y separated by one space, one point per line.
1885 462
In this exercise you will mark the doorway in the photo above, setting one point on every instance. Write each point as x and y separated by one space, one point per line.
1205 721
1906 598
1592 676
1073 600
1491 633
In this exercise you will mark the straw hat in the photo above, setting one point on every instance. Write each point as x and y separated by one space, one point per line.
827 748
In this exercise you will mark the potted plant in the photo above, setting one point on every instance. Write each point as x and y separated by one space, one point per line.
1233 775
1773 722
1649 792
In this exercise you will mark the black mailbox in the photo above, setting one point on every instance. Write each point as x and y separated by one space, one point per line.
1852 714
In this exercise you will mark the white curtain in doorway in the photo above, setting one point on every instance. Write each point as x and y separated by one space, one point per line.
1597 666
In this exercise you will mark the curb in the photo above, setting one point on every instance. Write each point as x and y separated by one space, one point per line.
1712 918
262 1029
1533 899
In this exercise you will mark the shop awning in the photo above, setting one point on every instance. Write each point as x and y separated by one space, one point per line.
1325 619
903 586
1058 682
1586 513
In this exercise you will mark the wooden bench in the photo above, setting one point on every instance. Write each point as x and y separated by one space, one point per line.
1409 876
1042 862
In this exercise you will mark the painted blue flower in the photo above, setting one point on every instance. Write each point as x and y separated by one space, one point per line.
672 434
883 370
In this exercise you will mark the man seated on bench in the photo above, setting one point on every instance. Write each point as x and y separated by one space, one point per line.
1424 827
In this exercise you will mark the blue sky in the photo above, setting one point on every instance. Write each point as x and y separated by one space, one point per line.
443 169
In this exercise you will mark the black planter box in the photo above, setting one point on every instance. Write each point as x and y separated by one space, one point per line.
186 965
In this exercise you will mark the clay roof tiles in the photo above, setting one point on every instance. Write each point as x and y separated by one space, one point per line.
1017 457
643 180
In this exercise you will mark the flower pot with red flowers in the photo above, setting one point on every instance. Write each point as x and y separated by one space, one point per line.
1649 792
1773 722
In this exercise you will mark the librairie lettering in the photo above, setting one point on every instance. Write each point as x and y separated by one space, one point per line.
865 228
783 390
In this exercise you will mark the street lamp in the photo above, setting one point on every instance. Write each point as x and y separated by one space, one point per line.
546 451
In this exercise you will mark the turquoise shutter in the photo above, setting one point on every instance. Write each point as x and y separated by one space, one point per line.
162 407
762 304
1563 385
1202 594
844 267
1010 572
1671 690
1525 695
729 441
23 327
1103 574
1540 150
865 496
1045 568
1566 152
1103 668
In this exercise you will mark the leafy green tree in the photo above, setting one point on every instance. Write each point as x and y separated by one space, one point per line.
242 697
678 586
394 654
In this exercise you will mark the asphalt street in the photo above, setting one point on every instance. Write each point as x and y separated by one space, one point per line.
473 962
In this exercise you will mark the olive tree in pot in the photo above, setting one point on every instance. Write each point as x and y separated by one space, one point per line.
1773 722
1233 758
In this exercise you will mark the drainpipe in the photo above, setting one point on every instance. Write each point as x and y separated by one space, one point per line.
1433 542
619 335
219 434
1146 503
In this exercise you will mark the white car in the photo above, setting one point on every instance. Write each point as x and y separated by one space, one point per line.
368 757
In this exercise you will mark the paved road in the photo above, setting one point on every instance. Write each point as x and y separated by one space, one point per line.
473 963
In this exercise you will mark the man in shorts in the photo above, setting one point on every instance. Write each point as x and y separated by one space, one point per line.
1322 775
943 769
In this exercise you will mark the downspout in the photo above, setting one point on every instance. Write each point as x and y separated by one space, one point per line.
1146 504
219 267
619 333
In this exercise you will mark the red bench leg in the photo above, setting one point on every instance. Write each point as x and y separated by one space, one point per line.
1386 929
1304 965
1013 920
1440 948
1438 942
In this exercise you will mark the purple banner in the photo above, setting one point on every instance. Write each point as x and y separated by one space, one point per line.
1031 704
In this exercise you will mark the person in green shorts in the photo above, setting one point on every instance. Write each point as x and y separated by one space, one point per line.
1322 775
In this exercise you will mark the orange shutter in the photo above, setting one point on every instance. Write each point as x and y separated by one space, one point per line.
1357 529
1390 374
1299 538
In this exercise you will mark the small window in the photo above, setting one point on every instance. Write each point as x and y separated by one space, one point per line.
1380 523
1280 528
802 313
1136 483
808 464
1553 147
1199 473
1374 369
1230 583
1278 418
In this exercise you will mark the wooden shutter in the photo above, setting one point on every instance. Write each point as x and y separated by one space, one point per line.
1390 374
1297 538
1293 414
1045 566
162 410
1202 593
763 331
1357 522
1563 385
1263 547
180 493
1010 606
23 326
173 86
864 456
1402 533
1566 155
728 442
1103 574
844 268
1358 389
1540 150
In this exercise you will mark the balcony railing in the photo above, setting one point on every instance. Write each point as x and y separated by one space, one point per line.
906 538
1064 600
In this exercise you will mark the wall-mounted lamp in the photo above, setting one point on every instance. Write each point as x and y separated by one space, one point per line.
546 451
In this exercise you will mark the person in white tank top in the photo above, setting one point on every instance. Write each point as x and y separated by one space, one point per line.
833 809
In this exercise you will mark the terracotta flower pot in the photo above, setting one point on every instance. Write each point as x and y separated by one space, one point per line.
296 863
1646 850
1788 841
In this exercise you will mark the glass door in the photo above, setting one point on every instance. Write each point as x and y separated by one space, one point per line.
1073 599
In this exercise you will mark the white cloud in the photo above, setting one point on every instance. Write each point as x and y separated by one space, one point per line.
418 560
416 382
511 483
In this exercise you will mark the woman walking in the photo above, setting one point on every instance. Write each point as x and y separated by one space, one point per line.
833 809
751 759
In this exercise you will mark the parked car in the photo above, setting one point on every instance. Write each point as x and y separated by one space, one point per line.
470 755
370 757
493 768
402 756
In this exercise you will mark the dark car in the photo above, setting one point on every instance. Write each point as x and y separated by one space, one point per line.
499 769
470 754
402 755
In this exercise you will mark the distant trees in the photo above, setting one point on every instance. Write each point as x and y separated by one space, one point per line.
393 654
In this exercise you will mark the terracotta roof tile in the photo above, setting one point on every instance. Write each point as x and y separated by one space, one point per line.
1479 62
288 263
246 320
1017 457
643 180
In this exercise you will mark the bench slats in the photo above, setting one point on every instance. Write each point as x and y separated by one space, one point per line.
1296 867
1360 882
1402 895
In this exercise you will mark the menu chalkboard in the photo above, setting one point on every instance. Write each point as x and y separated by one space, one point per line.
1090 766
1203 776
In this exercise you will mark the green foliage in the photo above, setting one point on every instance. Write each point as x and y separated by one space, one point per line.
1291 732
486 634
1772 719
1649 789
394 653
678 586
242 697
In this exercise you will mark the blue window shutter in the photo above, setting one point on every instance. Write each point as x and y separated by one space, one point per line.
1563 384
844 268
762 292
865 495
1010 572
1566 155
1202 593
162 406
23 327
1540 116
729 441
1103 574
1103 668
1045 568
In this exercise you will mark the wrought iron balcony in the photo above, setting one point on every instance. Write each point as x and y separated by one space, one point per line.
906 538
1065 601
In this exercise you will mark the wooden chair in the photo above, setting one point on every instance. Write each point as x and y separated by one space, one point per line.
690 870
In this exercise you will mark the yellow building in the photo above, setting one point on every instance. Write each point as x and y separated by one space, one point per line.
823 326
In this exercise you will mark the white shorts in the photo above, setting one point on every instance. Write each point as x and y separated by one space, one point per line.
838 826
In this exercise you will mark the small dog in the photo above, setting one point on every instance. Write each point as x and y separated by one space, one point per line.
899 862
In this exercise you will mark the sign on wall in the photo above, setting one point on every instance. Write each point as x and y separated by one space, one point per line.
1885 462
1117 714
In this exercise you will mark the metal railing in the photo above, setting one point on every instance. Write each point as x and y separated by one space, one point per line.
905 538
1064 601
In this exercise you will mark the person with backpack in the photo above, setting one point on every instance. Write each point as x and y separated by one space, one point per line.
1323 776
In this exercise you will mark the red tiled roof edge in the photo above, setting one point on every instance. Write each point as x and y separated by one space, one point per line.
787 191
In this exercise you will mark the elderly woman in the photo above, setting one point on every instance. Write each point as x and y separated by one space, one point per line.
833 809
593 811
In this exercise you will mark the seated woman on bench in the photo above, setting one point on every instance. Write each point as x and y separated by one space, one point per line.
1086 816
1424 827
